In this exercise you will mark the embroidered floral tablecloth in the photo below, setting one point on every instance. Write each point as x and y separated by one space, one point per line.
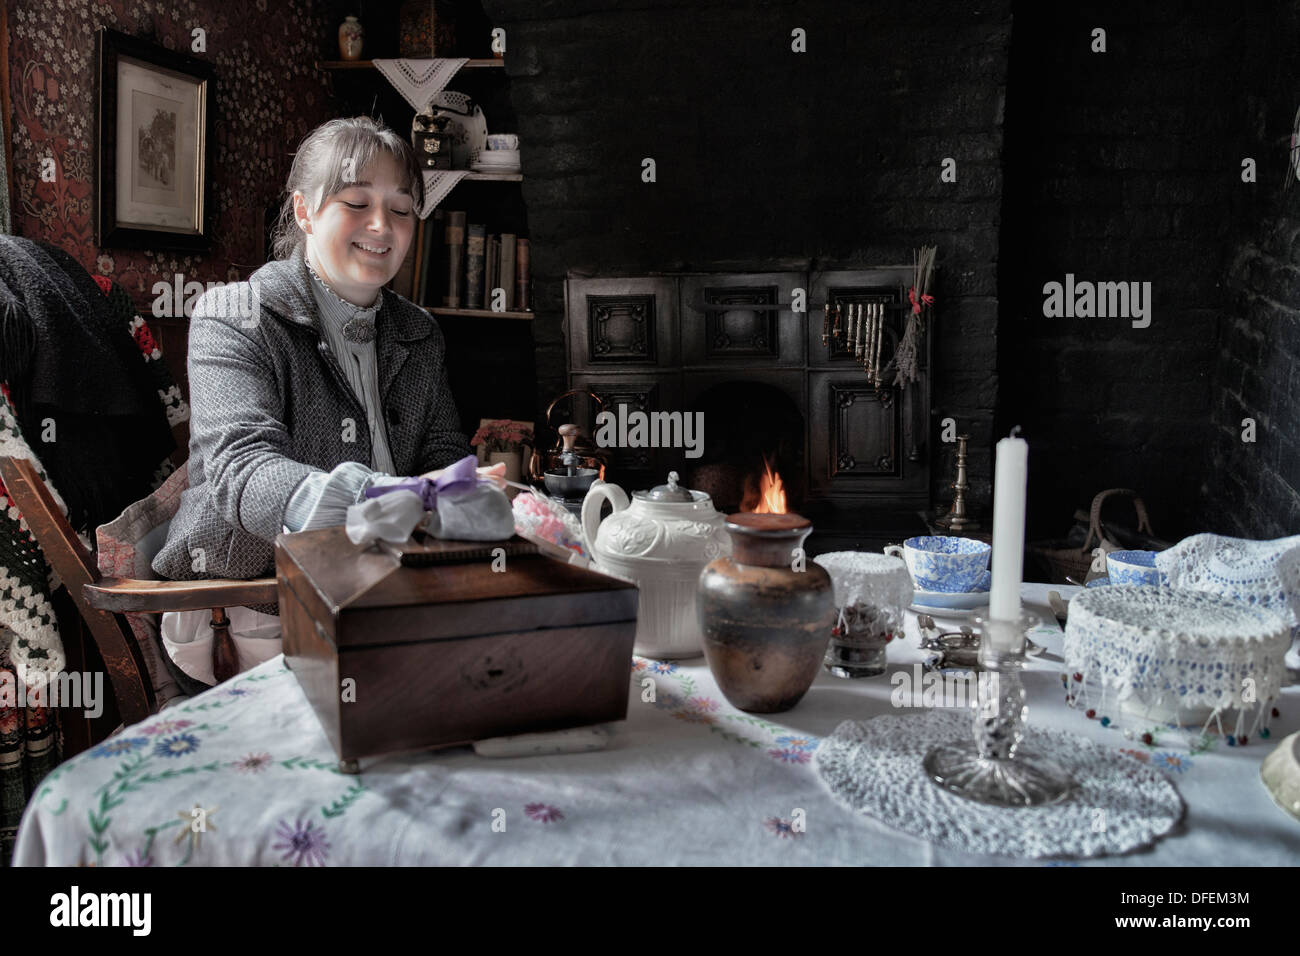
243 774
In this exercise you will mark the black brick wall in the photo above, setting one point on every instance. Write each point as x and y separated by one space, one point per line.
768 159
1125 165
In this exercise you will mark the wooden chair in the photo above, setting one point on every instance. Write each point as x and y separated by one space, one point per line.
102 602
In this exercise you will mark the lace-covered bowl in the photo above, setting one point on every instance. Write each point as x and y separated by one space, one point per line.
1175 656
871 592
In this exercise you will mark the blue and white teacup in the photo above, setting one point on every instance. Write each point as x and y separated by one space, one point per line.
943 563
1132 567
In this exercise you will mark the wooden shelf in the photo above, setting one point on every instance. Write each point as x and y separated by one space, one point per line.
494 177
478 313
491 63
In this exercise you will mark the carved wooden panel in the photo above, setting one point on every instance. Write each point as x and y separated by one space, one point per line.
740 322
621 322
743 320
621 328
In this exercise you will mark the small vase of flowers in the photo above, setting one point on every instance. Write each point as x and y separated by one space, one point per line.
500 439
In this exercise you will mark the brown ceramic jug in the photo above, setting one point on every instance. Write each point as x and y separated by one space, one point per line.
766 613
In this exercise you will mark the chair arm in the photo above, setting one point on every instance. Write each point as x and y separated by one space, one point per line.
134 594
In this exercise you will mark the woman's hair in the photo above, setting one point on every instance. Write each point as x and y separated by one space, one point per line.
321 168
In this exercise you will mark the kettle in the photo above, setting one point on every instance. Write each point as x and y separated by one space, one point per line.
661 539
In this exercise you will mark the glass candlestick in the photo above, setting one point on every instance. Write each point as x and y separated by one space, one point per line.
991 768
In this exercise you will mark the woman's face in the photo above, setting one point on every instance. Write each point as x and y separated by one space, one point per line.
358 237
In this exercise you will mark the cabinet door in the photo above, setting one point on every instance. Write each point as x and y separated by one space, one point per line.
621 323
859 441
741 320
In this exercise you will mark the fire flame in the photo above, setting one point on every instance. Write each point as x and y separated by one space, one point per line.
602 472
771 492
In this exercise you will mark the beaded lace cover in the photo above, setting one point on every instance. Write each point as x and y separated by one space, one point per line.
1263 573
1177 650
875 768
878 580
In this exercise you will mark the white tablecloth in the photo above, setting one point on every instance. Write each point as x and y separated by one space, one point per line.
687 779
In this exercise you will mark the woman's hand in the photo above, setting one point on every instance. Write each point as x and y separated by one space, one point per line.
496 472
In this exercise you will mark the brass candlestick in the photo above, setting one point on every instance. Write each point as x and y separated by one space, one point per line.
957 519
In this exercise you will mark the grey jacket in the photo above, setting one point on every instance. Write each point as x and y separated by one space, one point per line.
270 404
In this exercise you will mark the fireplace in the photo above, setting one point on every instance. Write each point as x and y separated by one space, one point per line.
852 456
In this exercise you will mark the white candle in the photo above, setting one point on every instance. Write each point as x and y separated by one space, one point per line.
1010 476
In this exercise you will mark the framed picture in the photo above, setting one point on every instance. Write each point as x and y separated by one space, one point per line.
153 127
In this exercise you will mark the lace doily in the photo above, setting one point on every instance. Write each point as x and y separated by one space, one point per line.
419 81
437 183
1253 572
874 767
1176 650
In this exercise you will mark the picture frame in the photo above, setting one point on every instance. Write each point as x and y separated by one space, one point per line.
153 134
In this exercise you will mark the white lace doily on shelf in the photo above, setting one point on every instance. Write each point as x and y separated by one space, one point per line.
1253 572
864 577
874 767
437 183
419 81
1176 651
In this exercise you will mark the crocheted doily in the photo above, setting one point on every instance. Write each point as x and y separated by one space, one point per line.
1176 650
875 768
1253 572
437 184
419 81
864 577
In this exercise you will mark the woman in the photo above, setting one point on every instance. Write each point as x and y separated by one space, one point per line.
308 383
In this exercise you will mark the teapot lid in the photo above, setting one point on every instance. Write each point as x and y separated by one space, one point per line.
669 492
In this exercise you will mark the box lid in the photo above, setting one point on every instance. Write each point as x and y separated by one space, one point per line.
335 578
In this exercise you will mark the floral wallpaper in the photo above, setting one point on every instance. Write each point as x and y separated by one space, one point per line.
268 95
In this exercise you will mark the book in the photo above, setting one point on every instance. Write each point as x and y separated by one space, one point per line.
404 282
474 266
507 273
455 259
521 274
433 259
491 268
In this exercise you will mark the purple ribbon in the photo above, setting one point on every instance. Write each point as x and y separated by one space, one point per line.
456 480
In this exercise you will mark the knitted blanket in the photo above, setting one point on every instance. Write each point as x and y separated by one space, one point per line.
29 636
80 391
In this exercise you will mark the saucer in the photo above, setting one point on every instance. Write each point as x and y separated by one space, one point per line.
1100 582
927 602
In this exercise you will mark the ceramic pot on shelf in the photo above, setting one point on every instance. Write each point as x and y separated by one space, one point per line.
766 613
661 539
351 39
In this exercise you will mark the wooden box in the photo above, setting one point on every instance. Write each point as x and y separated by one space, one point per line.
398 658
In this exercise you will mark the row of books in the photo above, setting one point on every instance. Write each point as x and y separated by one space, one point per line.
458 265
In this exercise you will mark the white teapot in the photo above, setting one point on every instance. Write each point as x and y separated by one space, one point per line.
661 540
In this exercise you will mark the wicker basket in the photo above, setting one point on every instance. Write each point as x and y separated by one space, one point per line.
1077 563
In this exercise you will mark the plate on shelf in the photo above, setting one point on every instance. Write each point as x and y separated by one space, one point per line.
466 124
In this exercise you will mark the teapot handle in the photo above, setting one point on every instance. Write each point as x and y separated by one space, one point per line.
591 510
